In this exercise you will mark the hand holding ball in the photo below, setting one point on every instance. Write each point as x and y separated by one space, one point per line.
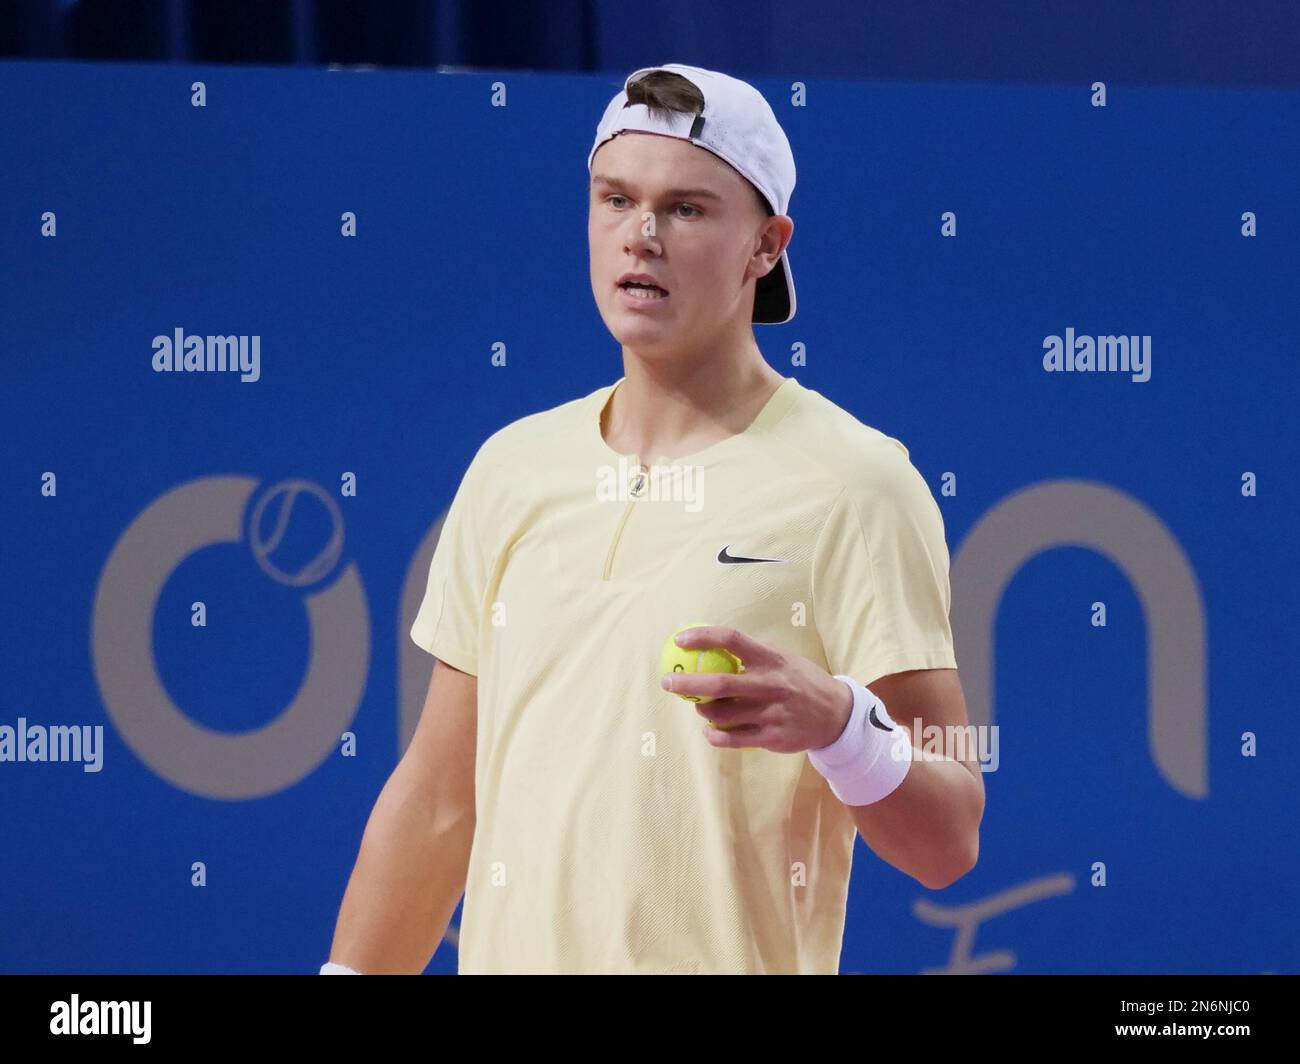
699 659
696 659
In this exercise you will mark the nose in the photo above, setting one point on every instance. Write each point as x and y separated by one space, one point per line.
641 234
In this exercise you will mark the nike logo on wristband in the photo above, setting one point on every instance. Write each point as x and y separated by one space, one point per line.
876 720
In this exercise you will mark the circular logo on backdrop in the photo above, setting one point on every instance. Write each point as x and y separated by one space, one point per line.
193 757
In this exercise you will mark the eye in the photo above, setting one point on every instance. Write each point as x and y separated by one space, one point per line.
689 208
609 199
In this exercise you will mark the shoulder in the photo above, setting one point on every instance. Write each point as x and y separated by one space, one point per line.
535 438
853 458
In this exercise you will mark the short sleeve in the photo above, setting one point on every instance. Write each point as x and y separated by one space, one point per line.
880 587
447 624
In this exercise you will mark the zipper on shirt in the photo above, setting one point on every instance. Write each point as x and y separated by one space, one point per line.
637 484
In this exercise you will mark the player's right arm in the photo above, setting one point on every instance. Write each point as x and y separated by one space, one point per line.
410 872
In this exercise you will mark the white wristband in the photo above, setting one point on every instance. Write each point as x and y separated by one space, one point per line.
330 968
871 757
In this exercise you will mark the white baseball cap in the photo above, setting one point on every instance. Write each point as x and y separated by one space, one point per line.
737 125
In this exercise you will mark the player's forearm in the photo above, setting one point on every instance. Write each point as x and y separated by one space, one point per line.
928 827
409 876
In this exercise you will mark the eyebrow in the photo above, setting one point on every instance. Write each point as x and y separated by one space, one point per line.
674 193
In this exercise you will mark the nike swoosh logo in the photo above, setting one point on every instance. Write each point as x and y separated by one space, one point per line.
729 559
876 720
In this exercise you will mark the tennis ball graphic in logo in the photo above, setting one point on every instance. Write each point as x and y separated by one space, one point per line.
295 531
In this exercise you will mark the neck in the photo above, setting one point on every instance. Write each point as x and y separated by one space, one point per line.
679 405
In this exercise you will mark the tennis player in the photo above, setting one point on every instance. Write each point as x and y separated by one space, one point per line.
593 818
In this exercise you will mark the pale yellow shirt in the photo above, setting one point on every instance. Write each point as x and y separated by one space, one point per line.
611 836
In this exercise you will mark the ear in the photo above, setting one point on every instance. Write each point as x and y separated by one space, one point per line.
773 240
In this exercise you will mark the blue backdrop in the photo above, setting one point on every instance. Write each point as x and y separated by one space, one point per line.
1121 573
1156 42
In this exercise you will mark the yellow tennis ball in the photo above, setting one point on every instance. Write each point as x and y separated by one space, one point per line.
696 659
699 659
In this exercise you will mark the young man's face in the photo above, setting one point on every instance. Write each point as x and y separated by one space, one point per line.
665 208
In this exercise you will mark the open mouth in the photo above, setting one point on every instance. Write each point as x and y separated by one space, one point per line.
643 290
